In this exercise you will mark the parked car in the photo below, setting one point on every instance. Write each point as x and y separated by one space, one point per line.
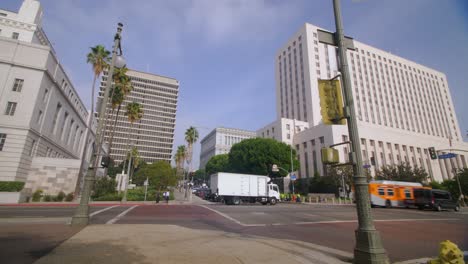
434 199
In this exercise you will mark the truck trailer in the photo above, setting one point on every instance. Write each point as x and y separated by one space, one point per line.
234 188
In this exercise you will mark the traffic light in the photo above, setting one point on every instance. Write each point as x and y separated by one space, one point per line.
105 160
432 153
330 156
331 102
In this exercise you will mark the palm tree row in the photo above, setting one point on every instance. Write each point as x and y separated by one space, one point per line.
185 154
99 57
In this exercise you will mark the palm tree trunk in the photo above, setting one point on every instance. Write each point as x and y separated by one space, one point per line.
111 140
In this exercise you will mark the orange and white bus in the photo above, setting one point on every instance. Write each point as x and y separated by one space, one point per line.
393 193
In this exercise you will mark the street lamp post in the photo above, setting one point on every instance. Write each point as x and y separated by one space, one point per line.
81 216
369 248
275 168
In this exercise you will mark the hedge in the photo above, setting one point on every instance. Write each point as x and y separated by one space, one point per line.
11 186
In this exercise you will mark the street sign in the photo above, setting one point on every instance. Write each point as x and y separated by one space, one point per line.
447 156
366 166
293 177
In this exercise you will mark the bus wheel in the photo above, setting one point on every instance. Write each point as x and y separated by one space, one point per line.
388 204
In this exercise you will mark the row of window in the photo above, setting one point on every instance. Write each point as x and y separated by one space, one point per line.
428 106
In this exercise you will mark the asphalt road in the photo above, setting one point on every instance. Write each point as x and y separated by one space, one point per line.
27 233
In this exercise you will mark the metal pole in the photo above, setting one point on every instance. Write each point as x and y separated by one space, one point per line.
81 216
369 248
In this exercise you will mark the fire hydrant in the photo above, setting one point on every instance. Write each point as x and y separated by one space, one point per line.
449 253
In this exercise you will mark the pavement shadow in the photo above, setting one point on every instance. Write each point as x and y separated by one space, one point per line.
110 251
27 243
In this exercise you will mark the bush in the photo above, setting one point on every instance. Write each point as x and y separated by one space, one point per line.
109 197
48 198
11 186
69 197
60 196
36 197
104 186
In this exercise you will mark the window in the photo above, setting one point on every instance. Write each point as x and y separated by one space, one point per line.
15 35
407 194
322 140
45 95
39 117
11 107
57 111
288 136
287 126
389 192
2 140
32 148
18 85
313 142
381 191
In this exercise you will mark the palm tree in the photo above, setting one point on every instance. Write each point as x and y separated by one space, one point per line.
123 87
134 113
99 59
179 158
191 136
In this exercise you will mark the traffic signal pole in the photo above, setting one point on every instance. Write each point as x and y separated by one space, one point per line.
369 248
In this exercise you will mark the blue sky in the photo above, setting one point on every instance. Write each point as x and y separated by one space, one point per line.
222 51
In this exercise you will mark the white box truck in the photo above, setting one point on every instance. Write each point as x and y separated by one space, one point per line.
235 188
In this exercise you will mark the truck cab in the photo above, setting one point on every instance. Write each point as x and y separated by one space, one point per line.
273 191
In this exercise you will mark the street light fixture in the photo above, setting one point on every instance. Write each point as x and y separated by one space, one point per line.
369 248
81 216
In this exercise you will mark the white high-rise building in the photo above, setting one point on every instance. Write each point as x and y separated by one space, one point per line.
153 135
220 141
43 122
403 108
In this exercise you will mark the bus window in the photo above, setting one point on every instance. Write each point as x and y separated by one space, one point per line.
381 191
390 192
408 194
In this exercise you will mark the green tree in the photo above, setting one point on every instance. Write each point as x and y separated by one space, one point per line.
257 155
218 163
452 184
160 175
199 176
179 159
104 186
402 172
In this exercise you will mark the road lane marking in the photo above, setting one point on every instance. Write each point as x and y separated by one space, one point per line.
379 220
102 210
115 219
324 222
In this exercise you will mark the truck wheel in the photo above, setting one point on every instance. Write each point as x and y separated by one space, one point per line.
439 208
457 208
273 201
236 200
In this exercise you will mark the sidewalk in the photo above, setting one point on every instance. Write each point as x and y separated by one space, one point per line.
174 244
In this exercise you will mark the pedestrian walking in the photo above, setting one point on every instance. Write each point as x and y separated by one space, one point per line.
166 196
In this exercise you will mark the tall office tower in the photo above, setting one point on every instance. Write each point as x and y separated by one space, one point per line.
402 107
153 135
43 122
220 141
